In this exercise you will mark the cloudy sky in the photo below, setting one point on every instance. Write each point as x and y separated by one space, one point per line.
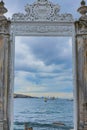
43 65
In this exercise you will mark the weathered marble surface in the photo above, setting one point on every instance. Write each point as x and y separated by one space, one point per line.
81 50
4 63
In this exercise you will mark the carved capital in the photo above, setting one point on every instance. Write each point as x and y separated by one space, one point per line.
83 23
81 27
5 26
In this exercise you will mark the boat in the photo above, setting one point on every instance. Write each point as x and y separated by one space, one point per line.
52 98
45 99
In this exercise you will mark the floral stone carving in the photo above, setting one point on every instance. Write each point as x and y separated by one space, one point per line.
42 10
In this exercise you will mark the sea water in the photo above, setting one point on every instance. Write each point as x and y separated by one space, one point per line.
42 115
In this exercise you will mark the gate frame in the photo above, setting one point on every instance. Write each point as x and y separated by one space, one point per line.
32 24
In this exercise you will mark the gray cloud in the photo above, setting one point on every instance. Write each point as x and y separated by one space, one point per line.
35 71
50 50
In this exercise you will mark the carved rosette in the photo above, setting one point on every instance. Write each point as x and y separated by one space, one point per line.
42 10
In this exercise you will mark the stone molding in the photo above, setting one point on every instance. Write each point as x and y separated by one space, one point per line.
53 29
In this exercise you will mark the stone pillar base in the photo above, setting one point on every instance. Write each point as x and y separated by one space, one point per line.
5 126
1 125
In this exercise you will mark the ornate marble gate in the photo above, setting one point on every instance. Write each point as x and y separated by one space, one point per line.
43 18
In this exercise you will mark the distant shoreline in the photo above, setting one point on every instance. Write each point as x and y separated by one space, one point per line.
22 96
28 96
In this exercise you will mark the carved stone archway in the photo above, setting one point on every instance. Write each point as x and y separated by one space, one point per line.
43 18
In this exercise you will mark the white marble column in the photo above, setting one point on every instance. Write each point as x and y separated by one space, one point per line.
4 67
81 49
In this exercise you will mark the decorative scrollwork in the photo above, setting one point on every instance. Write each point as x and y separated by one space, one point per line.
42 10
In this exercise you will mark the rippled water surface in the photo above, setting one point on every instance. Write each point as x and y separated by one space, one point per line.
42 115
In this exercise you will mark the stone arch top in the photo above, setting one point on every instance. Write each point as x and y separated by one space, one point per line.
42 18
42 10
